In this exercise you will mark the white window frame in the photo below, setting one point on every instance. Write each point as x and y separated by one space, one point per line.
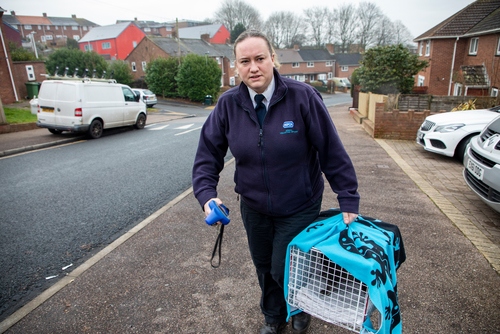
147 29
28 27
494 92
421 49
310 64
498 47
474 42
328 63
421 81
74 27
76 37
144 66
344 68
232 80
457 89
134 67
428 48
295 65
231 63
106 45
88 47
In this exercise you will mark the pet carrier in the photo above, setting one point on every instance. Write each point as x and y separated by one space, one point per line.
345 275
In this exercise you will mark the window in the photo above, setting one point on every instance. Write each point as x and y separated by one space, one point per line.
106 45
473 45
134 67
147 29
421 49
88 47
27 27
344 68
49 37
232 81
457 90
76 37
231 63
48 27
428 48
494 92
39 27
328 63
295 65
57 27
85 28
498 47
144 65
64 27
310 64
421 81
74 28
128 94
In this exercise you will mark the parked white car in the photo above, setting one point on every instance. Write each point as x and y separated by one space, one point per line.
147 96
482 164
449 133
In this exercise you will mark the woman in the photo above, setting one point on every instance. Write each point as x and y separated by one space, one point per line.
280 157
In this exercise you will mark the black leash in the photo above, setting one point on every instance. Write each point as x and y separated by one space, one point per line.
218 244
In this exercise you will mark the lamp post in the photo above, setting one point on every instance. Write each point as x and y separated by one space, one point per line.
32 34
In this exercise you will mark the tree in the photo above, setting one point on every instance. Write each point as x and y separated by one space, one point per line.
18 53
233 12
282 27
198 77
389 70
121 72
345 18
74 59
315 19
238 29
72 43
160 76
369 15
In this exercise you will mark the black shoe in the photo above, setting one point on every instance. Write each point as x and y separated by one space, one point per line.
276 328
300 323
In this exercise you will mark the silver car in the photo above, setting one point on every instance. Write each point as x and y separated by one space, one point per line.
147 96
482 164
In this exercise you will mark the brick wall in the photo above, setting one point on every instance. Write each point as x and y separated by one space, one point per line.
395 124
21 76
6 90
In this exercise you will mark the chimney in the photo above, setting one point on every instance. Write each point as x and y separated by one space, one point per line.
13 13
44 14
73 16
205 37
296 47
135 19
330 48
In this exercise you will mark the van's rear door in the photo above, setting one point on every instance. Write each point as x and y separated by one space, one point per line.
46 101
67 104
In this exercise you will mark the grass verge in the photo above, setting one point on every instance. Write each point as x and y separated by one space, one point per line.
19 115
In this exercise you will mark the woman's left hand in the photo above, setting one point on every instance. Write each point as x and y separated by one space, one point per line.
349 217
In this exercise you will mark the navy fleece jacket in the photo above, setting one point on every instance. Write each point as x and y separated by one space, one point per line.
279 167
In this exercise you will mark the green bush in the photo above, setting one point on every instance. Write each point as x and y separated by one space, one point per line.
198 77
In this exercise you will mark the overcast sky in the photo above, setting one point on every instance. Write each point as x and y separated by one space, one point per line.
418 16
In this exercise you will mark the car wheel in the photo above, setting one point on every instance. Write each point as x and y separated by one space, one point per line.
95 129
55 131
141 122
461 147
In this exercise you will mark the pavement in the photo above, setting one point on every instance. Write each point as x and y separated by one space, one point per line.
157 277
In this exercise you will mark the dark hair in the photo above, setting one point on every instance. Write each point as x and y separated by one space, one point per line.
256 33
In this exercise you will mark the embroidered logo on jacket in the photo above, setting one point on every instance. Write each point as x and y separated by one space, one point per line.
288 125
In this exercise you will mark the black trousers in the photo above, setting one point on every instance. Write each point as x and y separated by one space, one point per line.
268 239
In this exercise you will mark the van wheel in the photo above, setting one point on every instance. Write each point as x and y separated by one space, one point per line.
54 131
141 122
95 130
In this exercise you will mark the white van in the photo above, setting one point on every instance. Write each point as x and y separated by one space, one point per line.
341 82
86 105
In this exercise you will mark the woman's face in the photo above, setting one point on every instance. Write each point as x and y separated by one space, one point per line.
254 63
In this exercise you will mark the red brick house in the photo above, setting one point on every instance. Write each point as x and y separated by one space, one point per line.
463 52
115 41
151 48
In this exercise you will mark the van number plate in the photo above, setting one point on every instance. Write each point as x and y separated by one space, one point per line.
47 109
475 170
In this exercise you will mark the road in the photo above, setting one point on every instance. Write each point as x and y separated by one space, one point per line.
62 205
